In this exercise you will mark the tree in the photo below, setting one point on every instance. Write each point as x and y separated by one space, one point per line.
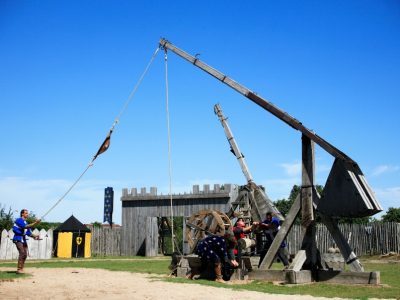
284 205
96 224
42 225
392 215
6 219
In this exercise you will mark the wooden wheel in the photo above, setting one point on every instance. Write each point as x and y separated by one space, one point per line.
205 222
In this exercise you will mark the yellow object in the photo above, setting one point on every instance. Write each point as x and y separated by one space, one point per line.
64 249
88 237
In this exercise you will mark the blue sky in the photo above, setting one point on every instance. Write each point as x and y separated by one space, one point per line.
67 68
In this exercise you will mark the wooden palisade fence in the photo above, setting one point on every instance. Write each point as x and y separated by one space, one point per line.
106 241
37 249
365 239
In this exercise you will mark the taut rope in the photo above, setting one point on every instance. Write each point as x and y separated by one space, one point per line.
104 146
169 151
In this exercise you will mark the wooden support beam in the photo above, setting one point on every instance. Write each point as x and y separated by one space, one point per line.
336 277
298 261
344 247
307 181
339 277
270 276
348 254
309 245
307 208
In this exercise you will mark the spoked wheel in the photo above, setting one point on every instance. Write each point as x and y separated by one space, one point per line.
205 222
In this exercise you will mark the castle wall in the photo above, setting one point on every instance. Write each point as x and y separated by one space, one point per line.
138 206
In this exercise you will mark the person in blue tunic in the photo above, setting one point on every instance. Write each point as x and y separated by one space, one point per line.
22 229
217 250
271 226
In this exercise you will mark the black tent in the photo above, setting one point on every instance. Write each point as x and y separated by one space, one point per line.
72 239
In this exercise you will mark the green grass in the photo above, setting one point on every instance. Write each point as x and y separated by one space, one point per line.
11 275
133 264
390 273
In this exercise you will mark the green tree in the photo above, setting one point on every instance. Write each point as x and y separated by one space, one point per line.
42 225
96 224
284 205
6 218
47 225
392 215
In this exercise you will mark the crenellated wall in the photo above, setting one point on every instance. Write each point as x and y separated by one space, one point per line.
133 193
139 205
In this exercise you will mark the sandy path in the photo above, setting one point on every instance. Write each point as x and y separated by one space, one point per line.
69 283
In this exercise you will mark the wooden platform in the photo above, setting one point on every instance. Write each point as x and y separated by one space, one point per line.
287 276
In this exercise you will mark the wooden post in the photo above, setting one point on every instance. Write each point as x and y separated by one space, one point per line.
307 181
307 209
348 254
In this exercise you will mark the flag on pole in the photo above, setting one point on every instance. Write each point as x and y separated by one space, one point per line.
108 205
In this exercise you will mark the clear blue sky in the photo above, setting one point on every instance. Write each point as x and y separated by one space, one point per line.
67 68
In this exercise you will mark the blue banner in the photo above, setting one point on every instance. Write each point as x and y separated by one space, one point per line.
108 204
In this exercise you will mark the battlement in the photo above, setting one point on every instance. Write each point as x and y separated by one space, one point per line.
218 189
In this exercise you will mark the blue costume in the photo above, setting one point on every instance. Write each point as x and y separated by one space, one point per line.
20 232
212 248
19 239
218 251
270 234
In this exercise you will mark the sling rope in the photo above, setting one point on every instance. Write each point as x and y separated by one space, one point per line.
106 142
169 150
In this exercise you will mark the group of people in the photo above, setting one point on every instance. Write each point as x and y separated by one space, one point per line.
220 251
216 250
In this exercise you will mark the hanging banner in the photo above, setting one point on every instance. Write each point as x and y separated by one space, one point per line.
108 204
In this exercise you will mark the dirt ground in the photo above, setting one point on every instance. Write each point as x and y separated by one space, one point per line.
68 283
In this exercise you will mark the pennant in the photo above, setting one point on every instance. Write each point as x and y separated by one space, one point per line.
103 148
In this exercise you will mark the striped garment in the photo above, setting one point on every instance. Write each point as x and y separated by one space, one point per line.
20 232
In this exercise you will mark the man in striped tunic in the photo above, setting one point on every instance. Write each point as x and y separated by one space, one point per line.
22 229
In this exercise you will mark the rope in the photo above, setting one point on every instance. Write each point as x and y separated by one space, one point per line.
136 86
169 150
67 192
106 142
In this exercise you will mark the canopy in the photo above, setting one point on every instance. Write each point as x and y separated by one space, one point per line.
72 224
